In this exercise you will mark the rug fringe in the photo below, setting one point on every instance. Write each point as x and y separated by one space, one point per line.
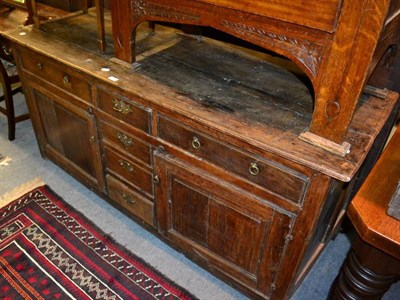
19 191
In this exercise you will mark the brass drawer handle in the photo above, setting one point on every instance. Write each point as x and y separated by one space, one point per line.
125 165
7 51
196 143
254 169
121 106
128 199
39 66
124 139
66 80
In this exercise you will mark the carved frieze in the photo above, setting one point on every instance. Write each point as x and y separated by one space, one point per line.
148 8
307 52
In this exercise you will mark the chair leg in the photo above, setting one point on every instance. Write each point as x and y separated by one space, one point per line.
100 24
9 104
85 6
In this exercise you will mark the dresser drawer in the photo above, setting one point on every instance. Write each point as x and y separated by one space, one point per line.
127 198
124 110
126 142
131 172
57 74
271 175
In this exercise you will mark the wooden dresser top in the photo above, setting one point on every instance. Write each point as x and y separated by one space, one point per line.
232 91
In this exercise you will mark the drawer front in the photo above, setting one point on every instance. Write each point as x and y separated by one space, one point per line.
268 174
131 172
57 74
134 203
124 110
126 142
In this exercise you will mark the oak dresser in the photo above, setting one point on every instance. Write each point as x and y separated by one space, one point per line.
198 142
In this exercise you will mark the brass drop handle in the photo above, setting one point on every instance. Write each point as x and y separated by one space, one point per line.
128 199
121 106
125 165
254 169
196 143
124 139
7 51
39 66
66 79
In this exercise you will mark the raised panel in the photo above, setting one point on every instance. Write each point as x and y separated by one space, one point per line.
67 132
67 135
211 222
49 121
208 220
217 223
189 212
236 236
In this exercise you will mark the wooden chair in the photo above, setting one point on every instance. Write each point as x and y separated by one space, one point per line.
28 5
8 78
99 4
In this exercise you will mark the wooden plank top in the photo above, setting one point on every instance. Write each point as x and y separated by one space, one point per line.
368 209
259 111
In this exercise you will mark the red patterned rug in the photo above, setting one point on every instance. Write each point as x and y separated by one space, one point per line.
48 250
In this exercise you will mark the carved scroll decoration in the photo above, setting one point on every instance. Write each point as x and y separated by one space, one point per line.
308 53
147 8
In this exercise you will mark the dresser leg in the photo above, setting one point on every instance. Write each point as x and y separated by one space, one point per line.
367 273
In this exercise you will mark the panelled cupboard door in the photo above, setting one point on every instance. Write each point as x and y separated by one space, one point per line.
220 225
67 135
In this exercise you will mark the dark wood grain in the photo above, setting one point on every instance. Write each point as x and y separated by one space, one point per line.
130 200
366 274
322 15
370 114
64 130
123 109
368 209
332 42
232 230
59 75
278 178
125 168
127 143
260 233
373 264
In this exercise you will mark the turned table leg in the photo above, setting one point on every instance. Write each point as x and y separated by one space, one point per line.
367 273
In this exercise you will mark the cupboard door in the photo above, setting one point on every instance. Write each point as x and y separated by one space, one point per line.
218 224
67 135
